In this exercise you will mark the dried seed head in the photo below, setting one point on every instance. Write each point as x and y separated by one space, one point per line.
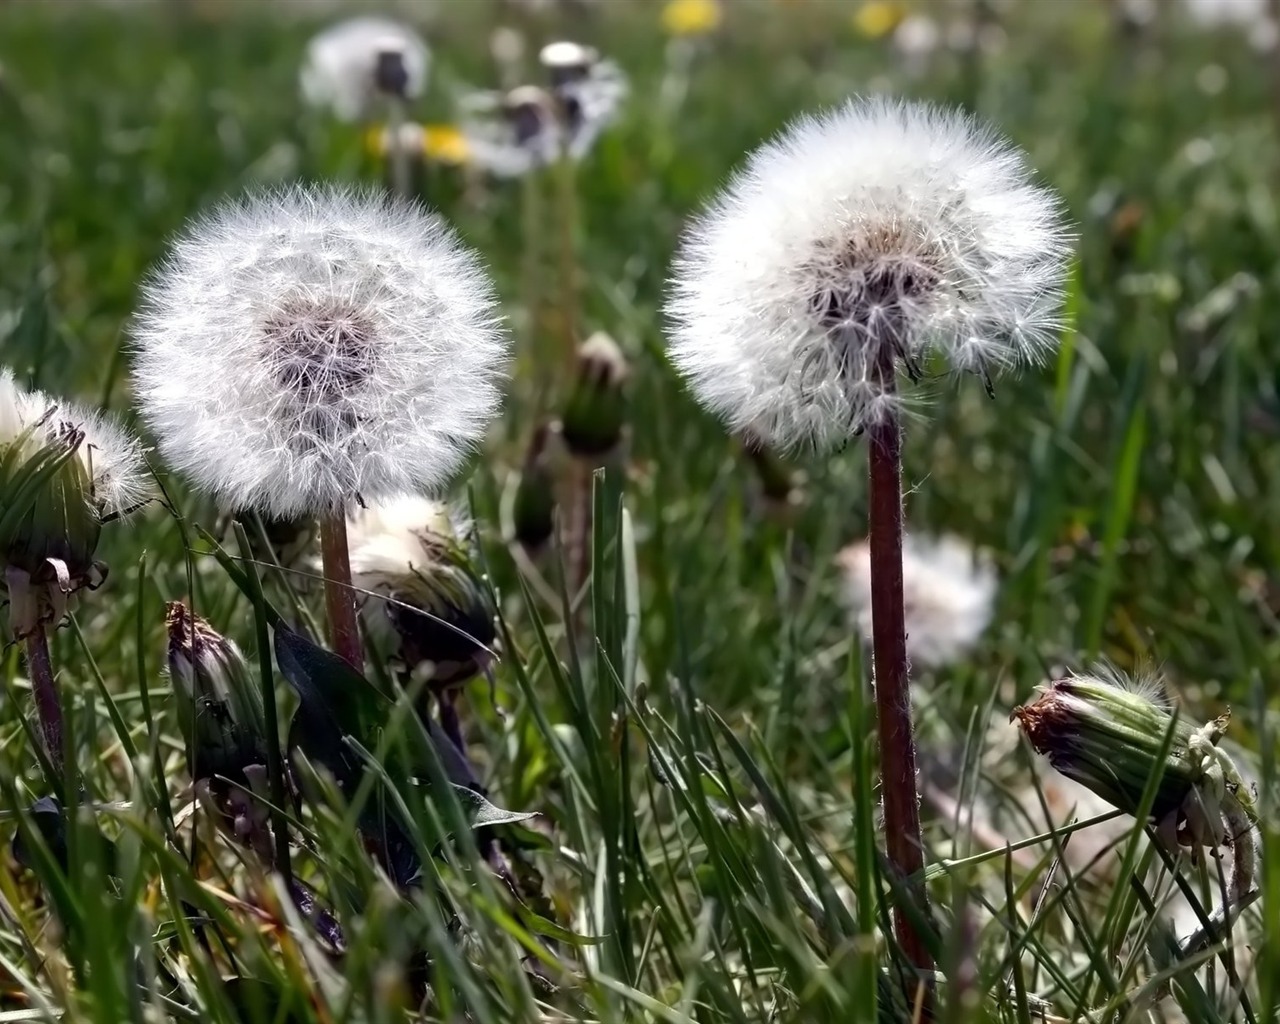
948 593
855 244
350 64
307 349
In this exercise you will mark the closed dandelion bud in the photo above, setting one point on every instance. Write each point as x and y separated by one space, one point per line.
533 513
64 472
423 595
1108 733
567 62
596 413
218 705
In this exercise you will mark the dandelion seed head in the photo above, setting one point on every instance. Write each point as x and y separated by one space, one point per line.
411 559
948 594
348 64
869 237
303 350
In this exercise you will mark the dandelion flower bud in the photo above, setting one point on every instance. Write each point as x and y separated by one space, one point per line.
350 63
1108 733
304 350
64 472
596 412
855 243
533 509
948 593
415 554
219 707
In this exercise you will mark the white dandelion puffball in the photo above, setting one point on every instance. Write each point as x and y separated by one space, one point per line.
856 241
303 350
113 459
948 594
341 68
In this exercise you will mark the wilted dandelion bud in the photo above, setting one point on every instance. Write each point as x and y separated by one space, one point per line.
854 244
948 592
303 350
64 472
533 511
348 65
425 595
1108 733
218 704
595 415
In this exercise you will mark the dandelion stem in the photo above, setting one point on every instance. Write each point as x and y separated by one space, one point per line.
566 192
889 653
45 691
339 595
397 156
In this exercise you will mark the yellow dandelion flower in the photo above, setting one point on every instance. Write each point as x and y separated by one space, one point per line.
877 18
445 144
691 17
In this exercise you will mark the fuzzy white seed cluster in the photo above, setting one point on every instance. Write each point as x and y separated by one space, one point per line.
855 243
948 595
340 72
304 350
113 459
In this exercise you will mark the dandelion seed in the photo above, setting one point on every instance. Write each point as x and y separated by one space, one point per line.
949 590
304 350
350 64
856 243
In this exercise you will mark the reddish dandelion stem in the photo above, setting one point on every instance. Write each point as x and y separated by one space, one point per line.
892 695
45 691
339 595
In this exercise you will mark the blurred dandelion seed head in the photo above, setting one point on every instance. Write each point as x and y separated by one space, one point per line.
417 553
348 65
303 349
949 591
881 231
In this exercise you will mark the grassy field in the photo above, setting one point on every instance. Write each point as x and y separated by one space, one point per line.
700 759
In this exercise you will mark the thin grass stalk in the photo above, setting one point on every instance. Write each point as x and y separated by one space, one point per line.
903 837
578 526
531 283
339 594
45 691
275 762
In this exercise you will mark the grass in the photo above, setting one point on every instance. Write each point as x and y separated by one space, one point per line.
701 758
